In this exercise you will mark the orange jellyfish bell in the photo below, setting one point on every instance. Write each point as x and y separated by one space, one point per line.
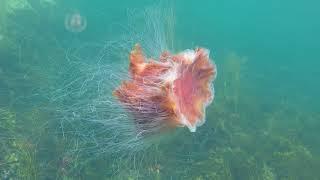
170 92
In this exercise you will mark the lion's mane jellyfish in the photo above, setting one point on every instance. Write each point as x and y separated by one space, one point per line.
173 91
107 105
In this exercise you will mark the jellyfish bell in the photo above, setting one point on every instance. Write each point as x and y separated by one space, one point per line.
75 22
171 92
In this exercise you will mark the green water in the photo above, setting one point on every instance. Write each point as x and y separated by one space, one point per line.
263 124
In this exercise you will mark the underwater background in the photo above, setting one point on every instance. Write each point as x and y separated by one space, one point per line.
263 124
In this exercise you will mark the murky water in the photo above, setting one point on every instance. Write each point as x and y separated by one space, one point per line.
60 62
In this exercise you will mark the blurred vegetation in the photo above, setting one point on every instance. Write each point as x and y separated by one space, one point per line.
243 138
232 78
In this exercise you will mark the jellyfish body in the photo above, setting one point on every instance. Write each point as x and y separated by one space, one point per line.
170 92
75 22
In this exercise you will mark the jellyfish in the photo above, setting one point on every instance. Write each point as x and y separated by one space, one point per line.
75 22
173 91
132 92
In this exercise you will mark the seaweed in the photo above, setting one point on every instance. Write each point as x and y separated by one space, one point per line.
245 136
